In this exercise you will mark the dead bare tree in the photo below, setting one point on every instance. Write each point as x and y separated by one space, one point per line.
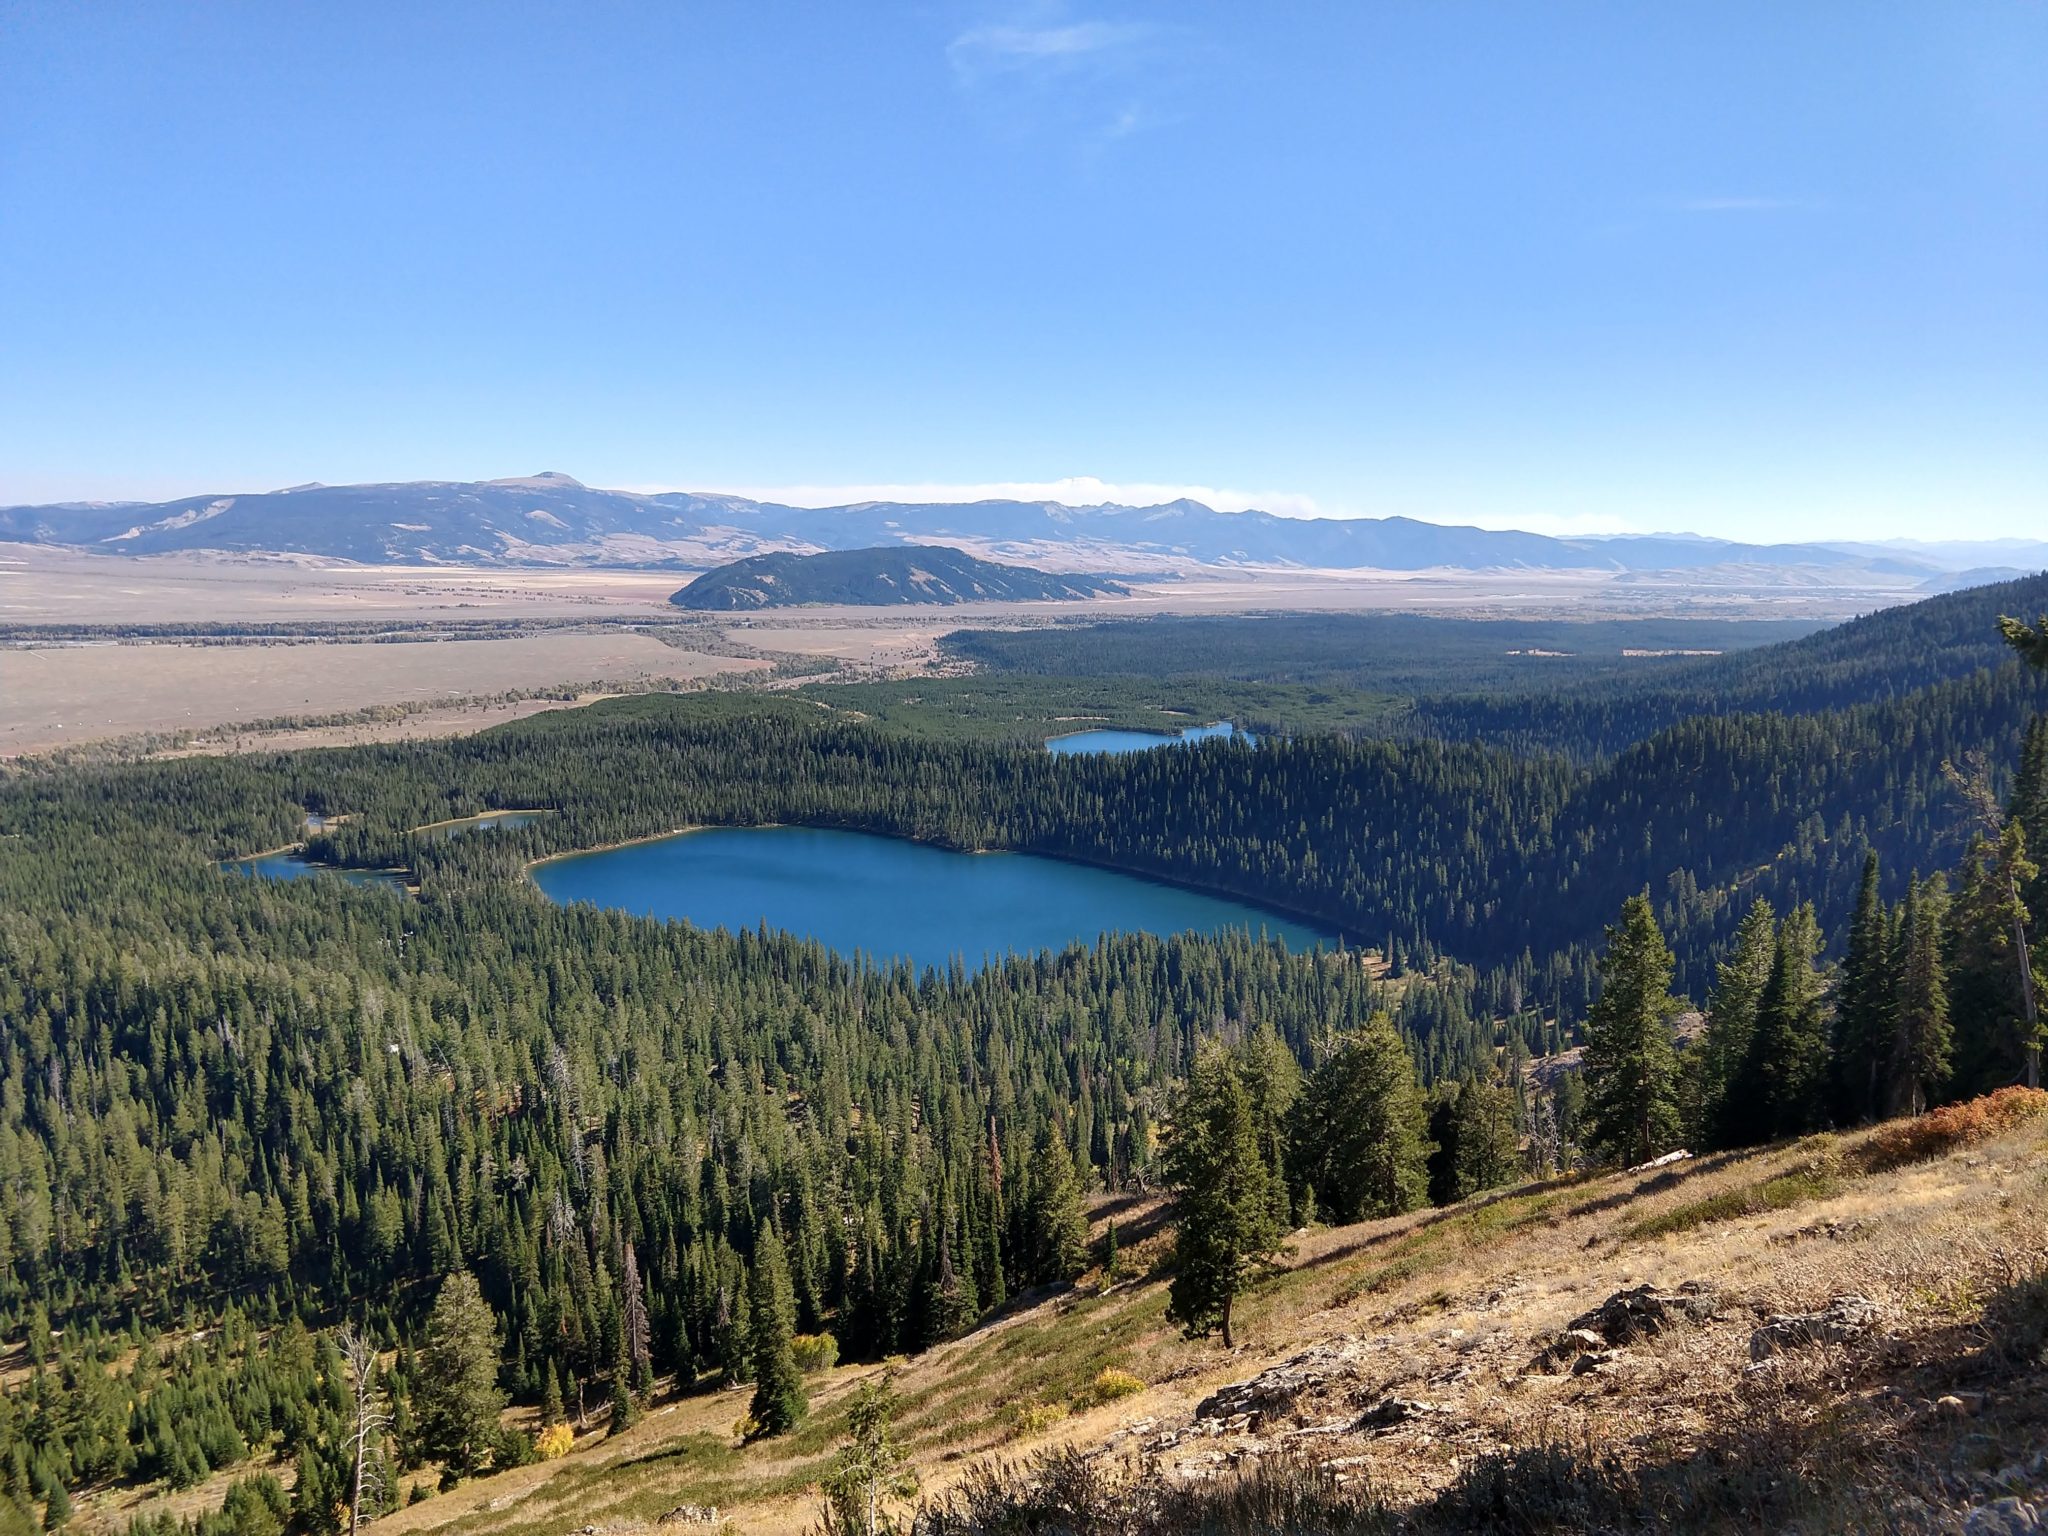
369 1418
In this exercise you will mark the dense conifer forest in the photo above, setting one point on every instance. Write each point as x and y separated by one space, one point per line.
236 1113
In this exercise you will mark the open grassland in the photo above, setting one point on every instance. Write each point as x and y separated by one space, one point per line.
1941 1405
71 695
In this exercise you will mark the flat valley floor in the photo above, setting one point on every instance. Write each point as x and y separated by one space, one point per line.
575 634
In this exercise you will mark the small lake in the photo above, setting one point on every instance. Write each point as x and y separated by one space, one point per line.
1145 741
888 898
289 866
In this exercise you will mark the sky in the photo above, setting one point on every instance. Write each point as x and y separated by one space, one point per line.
1768 271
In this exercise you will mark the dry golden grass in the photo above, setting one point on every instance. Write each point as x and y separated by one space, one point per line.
1451 1307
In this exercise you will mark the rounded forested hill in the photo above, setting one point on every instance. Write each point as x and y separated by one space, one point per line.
893 574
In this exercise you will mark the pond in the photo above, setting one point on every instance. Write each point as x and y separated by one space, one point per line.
1145 741
290 866
888 898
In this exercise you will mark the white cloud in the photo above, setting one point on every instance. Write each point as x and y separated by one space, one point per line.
1074 491
980 49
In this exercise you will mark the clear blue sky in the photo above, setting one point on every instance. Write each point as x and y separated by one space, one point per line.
1765 270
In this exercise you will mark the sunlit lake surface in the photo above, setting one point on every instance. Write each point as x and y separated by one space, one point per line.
888 898
1144 741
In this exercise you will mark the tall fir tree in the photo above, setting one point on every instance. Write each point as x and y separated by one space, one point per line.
1919 1060
458 1395
1864 999
1631 1112
1225 1228
1717 1115
1786 1075
1057 1229
779 1403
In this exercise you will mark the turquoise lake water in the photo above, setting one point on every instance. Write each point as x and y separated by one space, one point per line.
289 866
1143 741
888 898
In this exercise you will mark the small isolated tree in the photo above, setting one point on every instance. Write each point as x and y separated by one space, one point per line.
458 1394
57 1509
1631 1064
779 1403
1227 1227
871 1473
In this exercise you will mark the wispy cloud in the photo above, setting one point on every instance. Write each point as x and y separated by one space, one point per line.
1073 491
1045 69
980 50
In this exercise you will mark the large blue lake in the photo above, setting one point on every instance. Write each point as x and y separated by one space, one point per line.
888 898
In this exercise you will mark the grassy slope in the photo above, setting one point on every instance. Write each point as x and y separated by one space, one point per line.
1451 1307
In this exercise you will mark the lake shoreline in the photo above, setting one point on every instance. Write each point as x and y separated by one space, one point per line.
1263 918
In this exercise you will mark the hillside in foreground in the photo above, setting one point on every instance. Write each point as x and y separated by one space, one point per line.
1603 1353
888 576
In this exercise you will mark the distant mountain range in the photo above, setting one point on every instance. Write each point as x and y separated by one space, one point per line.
890 576
551 519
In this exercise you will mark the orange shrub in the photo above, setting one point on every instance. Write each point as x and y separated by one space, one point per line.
1953 1125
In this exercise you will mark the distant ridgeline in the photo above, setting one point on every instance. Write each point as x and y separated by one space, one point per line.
881 577
1587 689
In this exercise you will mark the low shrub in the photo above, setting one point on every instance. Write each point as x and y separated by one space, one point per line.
814 1352
1032 1417
1109 1385
1949 1128
1816 1179
554 1442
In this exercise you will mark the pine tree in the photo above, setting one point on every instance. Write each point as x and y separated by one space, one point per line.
1488 1143
638 1335
779 1403
1863 1025
1057 1228
1921 1041
871 1471
1358 1137
1631 1066
458 1394
1225 1232
1786 1075
1720 1118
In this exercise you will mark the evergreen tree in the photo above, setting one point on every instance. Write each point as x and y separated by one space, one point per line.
458 1396
1631 1066
1921 1040
1488 1143
1863 1025
1057 1231
1720 1117
1358 1137
779 1403
1225 1232
871 1472
1786 1075
57 1509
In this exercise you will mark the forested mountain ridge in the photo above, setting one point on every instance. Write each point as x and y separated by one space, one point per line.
888 576
1588 689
